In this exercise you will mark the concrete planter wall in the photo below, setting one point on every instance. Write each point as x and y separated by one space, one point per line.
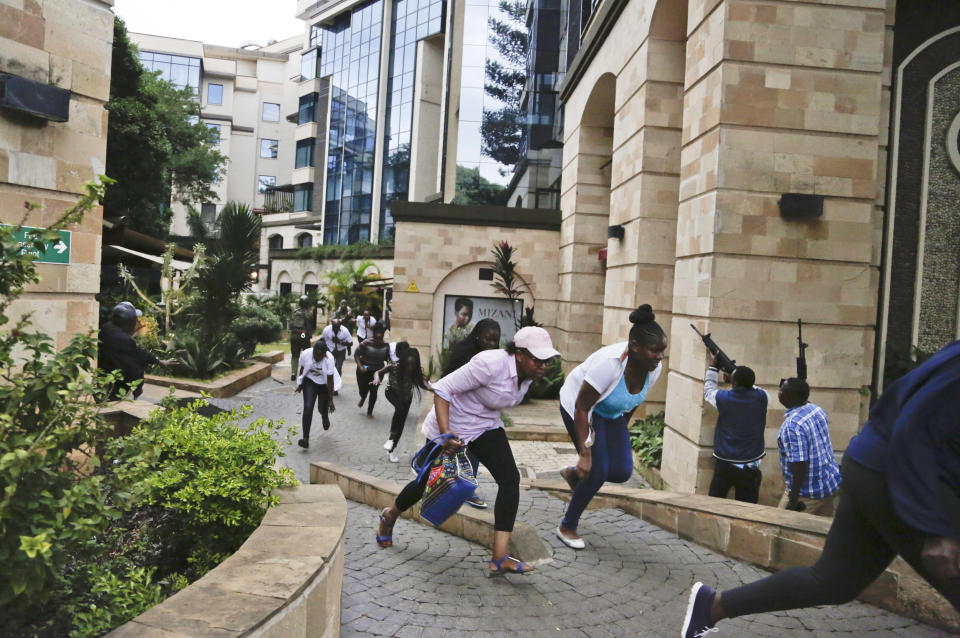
285 581
223 387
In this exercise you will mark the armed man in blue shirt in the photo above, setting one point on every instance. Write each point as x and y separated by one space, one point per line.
810 472
901 496
738 442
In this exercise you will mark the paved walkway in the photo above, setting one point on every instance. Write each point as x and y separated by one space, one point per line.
631 581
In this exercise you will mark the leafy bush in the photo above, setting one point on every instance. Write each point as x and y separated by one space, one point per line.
646 438
208 480
281 306
255 324
121 597
147 334
48 506
548 386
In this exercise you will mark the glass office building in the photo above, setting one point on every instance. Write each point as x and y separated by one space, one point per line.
179 70
368 55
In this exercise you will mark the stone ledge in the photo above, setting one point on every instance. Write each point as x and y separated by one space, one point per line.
473 525
273 356
221 388
768 537
284 581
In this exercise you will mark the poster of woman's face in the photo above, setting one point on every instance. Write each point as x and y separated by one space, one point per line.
461 313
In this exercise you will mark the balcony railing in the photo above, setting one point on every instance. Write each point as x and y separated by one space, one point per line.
278 199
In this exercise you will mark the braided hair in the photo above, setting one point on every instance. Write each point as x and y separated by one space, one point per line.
645 330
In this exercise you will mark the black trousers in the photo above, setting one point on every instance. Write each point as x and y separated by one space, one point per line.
865 537
745 481
314 393
338 357
401 408
493 450
363 384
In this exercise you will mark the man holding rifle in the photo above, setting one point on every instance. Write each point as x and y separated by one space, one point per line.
738 442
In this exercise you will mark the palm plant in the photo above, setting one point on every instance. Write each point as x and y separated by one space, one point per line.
351 283
506 281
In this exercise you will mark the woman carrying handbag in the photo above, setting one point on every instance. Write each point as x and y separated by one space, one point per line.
467 404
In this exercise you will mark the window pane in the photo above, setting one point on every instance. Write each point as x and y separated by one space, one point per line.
271 112
216 132
268 148
264 182
214 93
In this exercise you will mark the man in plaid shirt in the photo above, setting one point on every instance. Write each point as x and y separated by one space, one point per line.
810 472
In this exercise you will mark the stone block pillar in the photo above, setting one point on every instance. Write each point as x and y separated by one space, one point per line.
779 97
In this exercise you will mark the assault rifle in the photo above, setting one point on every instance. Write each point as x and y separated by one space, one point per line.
724 362
802 359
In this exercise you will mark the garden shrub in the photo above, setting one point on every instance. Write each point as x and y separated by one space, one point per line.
208 481
646 438
255 324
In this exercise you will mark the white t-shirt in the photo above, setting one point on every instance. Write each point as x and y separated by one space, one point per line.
346 339
365 327
602 370
317 371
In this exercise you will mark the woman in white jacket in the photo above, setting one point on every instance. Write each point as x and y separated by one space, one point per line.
596 403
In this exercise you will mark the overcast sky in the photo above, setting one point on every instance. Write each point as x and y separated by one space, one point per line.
225 22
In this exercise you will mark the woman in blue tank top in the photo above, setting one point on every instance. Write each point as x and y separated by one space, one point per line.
596 404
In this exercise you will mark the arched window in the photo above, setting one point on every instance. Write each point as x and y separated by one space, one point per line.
276 242
305 240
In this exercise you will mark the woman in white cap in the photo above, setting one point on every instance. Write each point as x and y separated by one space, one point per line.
596 403
467 403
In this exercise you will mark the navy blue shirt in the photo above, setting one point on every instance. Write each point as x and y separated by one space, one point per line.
913 435
741 420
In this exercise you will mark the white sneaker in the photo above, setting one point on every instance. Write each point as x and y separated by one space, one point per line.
394 458
388 445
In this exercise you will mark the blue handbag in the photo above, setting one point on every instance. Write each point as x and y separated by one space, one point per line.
449 480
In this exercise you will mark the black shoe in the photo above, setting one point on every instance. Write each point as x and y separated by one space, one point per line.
326 426
697 623
303 443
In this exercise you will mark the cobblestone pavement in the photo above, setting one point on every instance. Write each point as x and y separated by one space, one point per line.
631 581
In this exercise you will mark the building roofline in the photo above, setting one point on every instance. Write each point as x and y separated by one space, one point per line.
475 215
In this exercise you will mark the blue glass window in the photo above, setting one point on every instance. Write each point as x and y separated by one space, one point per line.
305 152
302 197
268 148
351 57
308 109
214 94
215 133
179 70
308 65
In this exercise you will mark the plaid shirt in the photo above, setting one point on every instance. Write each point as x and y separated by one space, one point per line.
804 436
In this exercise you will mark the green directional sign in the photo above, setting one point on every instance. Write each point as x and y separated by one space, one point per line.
56 252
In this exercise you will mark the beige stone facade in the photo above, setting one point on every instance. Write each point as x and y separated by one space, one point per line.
685 126
67 44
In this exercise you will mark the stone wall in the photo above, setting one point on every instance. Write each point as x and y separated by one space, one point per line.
438 256
685 122
285 581
67 44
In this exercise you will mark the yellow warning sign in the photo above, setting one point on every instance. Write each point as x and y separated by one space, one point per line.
413 287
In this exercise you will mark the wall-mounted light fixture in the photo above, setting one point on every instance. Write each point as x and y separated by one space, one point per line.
31 98
798 205
615 232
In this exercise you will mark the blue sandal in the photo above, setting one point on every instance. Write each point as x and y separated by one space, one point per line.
387 539
498 570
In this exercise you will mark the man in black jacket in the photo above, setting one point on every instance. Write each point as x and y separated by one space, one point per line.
118 350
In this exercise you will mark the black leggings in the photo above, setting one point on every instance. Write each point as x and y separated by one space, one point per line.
363 384
865 537
493 450
745 481
401 407
314 393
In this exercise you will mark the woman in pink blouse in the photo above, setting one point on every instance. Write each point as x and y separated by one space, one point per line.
467 403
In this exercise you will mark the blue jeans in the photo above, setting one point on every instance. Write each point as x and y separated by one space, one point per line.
612 461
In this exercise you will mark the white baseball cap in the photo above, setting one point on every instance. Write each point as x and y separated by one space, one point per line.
536 341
